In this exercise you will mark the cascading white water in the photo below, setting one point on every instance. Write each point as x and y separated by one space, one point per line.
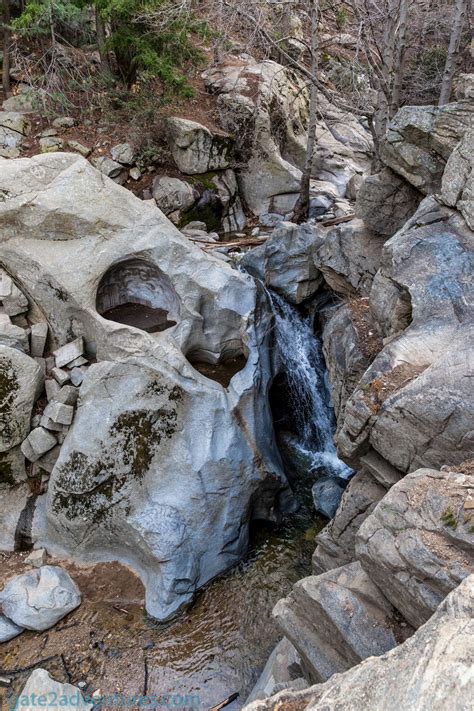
302 360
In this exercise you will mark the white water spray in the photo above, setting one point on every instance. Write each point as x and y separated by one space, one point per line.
301 355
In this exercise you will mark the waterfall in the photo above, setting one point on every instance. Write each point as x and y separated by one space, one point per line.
301 356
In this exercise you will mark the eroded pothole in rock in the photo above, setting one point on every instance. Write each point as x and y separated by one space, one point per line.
137 293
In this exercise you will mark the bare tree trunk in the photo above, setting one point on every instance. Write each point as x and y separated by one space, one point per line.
399 58
6 48
302 206
100 34
460 13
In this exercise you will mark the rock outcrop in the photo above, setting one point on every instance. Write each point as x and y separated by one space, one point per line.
420 139
21 382
284 263
195 149
266 107
414 390
140 476
385 201
417 545
335 620
457 186
439 653
348 256
336 542
350 341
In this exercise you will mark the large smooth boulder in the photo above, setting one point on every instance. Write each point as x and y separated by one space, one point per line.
40 598
41 687
348 256
314 617
431 670
417 545
415 390
457 186
284 262
21 382
141 477
195 149
385 201
420 139
335 544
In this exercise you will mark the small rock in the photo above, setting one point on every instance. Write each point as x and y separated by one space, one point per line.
79 148
38 442
123 153
60 376
37 600
52 389
77 376
40 686
37 558
135 174
48 132
13 336
50 425
59 413
49 363
68 395
113 170
39 334
195 225
77 362
9 152
48 461
148 645
327 493
13 300
64 122
51 144
35 421
66 354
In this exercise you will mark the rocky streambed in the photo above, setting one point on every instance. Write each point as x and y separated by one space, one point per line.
213 650
159 403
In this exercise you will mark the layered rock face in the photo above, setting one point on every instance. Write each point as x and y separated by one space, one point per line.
141 477
439 654
266 106
397 558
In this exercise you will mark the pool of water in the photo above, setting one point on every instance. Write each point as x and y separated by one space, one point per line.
220 645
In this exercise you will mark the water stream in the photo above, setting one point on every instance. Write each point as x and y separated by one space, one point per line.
221 644
300 352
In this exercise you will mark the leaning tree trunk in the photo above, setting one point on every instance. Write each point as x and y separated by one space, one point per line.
6 48
460 13
300 213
